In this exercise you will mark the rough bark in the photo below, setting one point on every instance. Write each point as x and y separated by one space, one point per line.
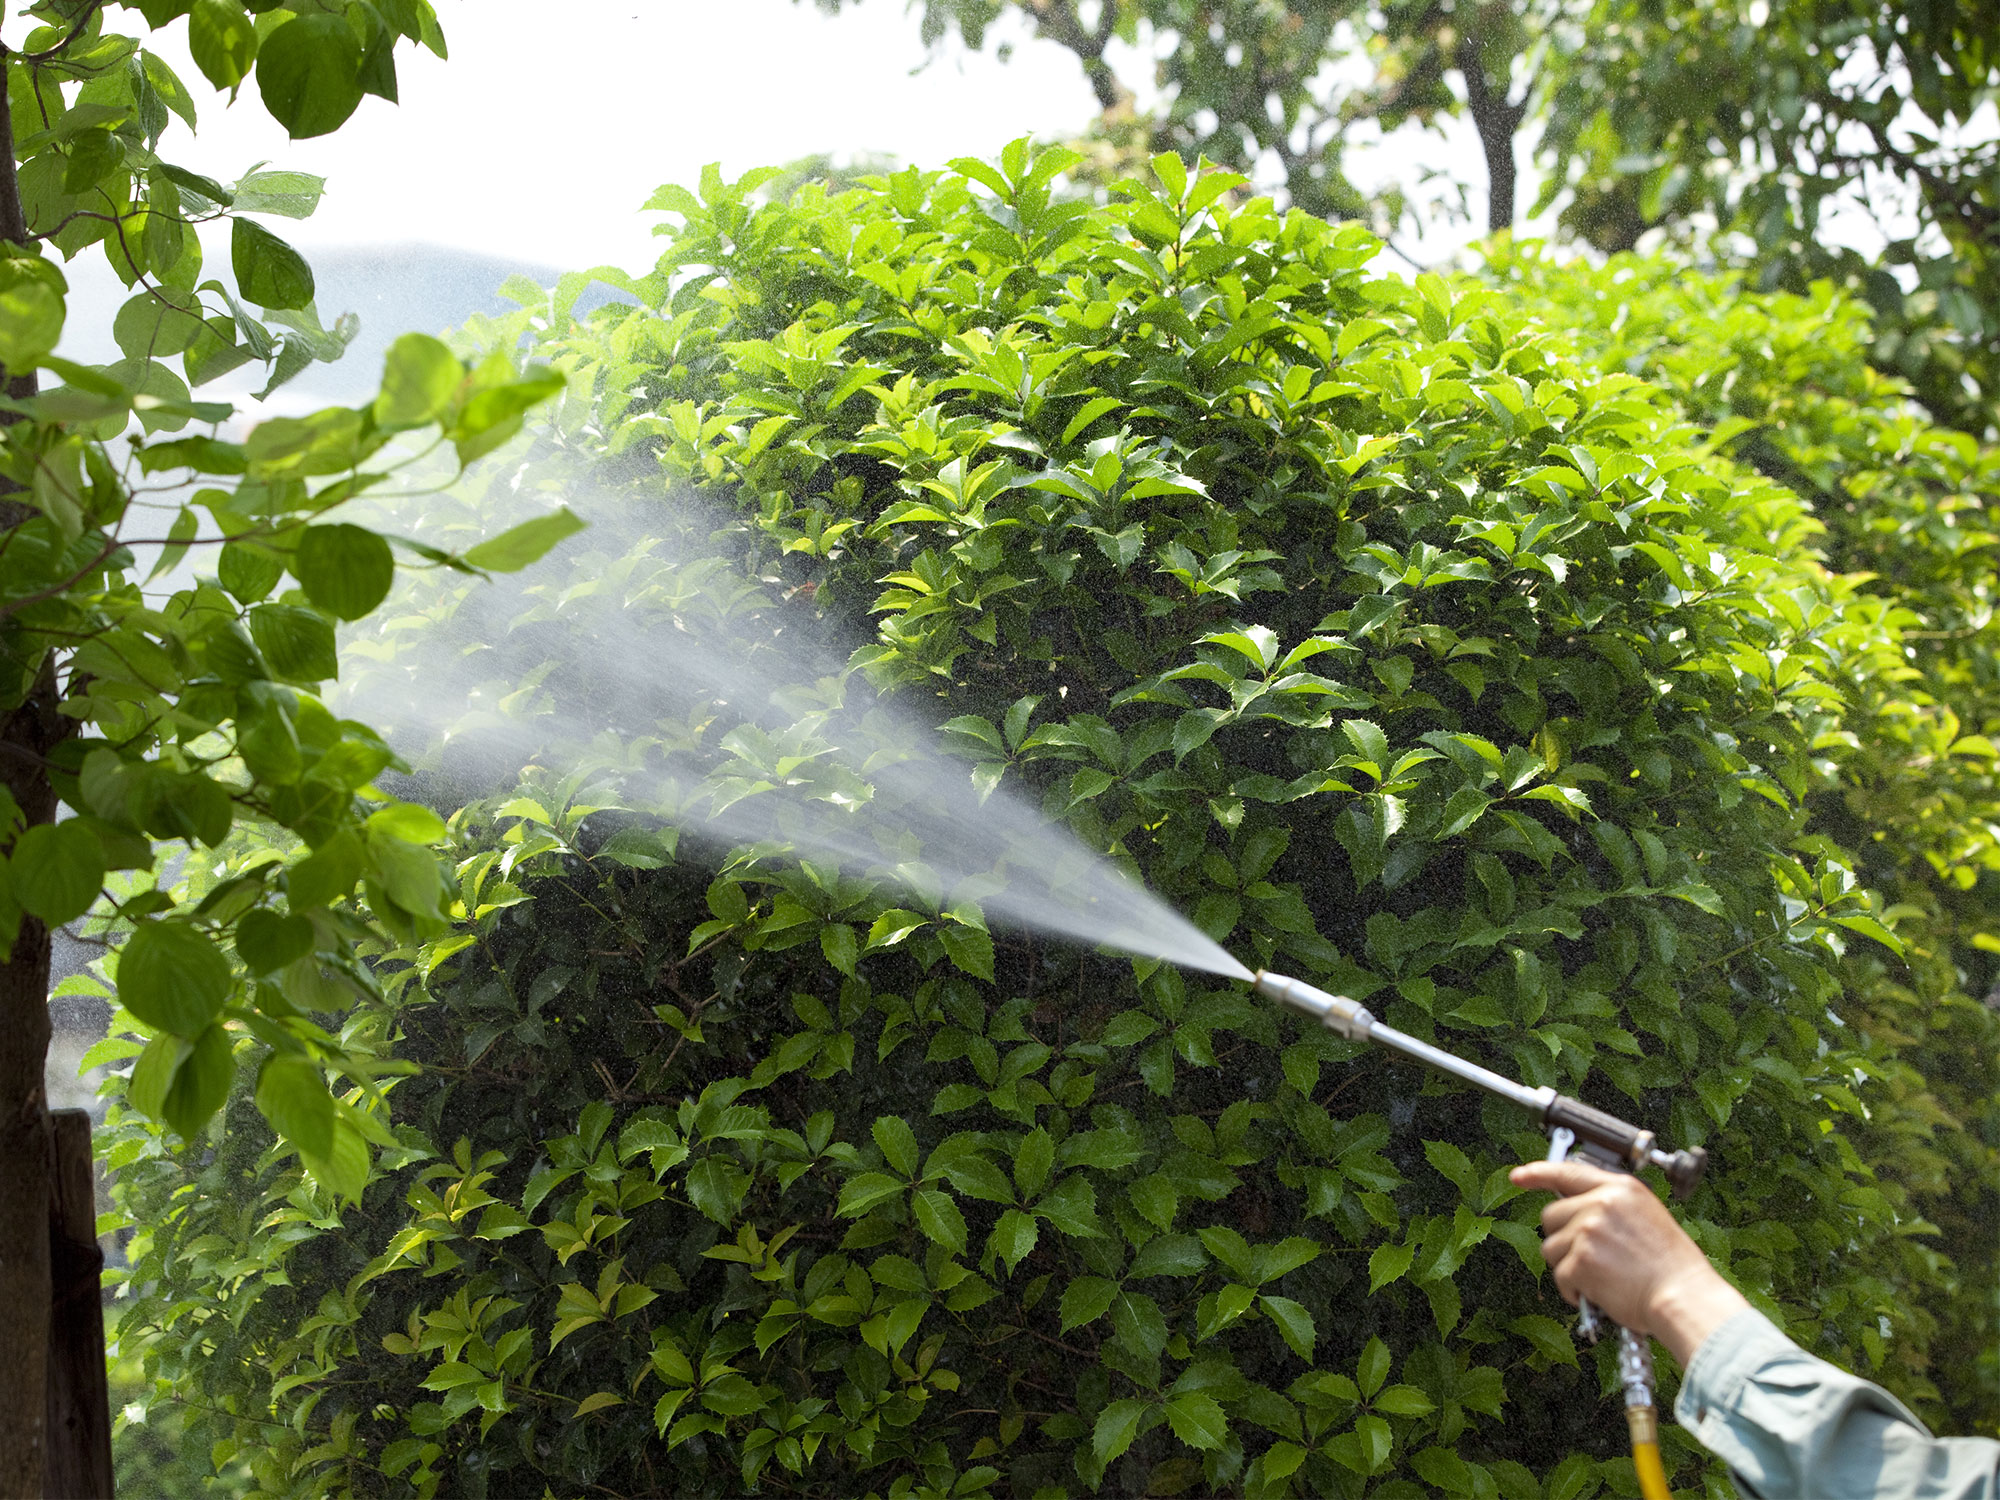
27 734
78 1460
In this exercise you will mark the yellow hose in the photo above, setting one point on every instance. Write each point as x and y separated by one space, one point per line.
1645 1424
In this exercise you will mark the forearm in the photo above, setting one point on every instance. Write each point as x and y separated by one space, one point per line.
1792 1427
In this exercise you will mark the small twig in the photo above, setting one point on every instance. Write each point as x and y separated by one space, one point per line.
50 53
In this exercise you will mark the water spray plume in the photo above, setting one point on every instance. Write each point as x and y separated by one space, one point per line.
737 732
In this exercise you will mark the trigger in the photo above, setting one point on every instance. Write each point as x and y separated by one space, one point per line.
1560 1140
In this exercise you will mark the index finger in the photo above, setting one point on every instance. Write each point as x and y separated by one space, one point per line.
1566 1177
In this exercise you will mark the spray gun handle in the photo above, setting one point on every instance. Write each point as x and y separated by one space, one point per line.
1607 1141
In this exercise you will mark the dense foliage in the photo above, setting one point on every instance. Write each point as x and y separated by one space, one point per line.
1411 644
1782 381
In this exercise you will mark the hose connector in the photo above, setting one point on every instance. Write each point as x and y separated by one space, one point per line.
1348 1018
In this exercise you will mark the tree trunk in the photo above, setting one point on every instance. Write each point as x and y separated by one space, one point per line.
25 1147
27 734
77 1465
1496 121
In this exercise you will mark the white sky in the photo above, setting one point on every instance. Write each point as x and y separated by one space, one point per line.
552 123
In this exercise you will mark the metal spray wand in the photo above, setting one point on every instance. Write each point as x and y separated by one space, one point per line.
1575 1129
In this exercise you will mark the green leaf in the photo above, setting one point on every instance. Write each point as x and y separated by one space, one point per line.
292 1093
268 271
1387 1264
1295 1324
1013 1236
1138 1322
841 945
296 643
1156 1197
192 807
1405 1401
249 570
173 977
31 320
898 1143
969 948
1368 740
222 41
1282 1460
1085 1300
57 870
861 1193
153 1074
308 73
343 1170
1550 1338
1169 1255
326 875
1870 928
1089 412
1197 1420
345 570
938 1217
291 195
891 927
419 378
411 822
520 545
200 1084
1117 1425
149 326
1466 807
1071 1205
266 940
1373 1368
1032 1162
1107 1150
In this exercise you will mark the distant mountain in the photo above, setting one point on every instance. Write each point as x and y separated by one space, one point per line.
394 288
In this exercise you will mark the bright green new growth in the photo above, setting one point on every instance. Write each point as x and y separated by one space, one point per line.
1381 628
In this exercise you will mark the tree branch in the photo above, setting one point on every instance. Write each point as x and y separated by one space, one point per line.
1059 22
1496 121
49 54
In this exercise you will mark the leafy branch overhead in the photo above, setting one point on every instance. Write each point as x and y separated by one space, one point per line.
173 582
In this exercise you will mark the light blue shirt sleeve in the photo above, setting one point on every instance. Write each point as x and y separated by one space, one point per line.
1792 1427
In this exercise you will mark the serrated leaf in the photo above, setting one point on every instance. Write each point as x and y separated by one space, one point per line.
938 1217
1117 1425
1387 1264
1197 1420
1086 1299
1295 1324
1550 1339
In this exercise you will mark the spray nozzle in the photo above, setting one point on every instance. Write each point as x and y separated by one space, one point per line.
1336 1012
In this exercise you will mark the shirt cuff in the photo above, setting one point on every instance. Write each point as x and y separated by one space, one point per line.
1727 1358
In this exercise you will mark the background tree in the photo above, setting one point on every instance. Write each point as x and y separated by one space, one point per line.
1401 634
161 719
1746 137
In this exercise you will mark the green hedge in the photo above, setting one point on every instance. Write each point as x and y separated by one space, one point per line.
1914 510
1381 626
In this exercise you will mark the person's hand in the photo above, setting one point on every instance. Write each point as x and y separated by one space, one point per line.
1611 1240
